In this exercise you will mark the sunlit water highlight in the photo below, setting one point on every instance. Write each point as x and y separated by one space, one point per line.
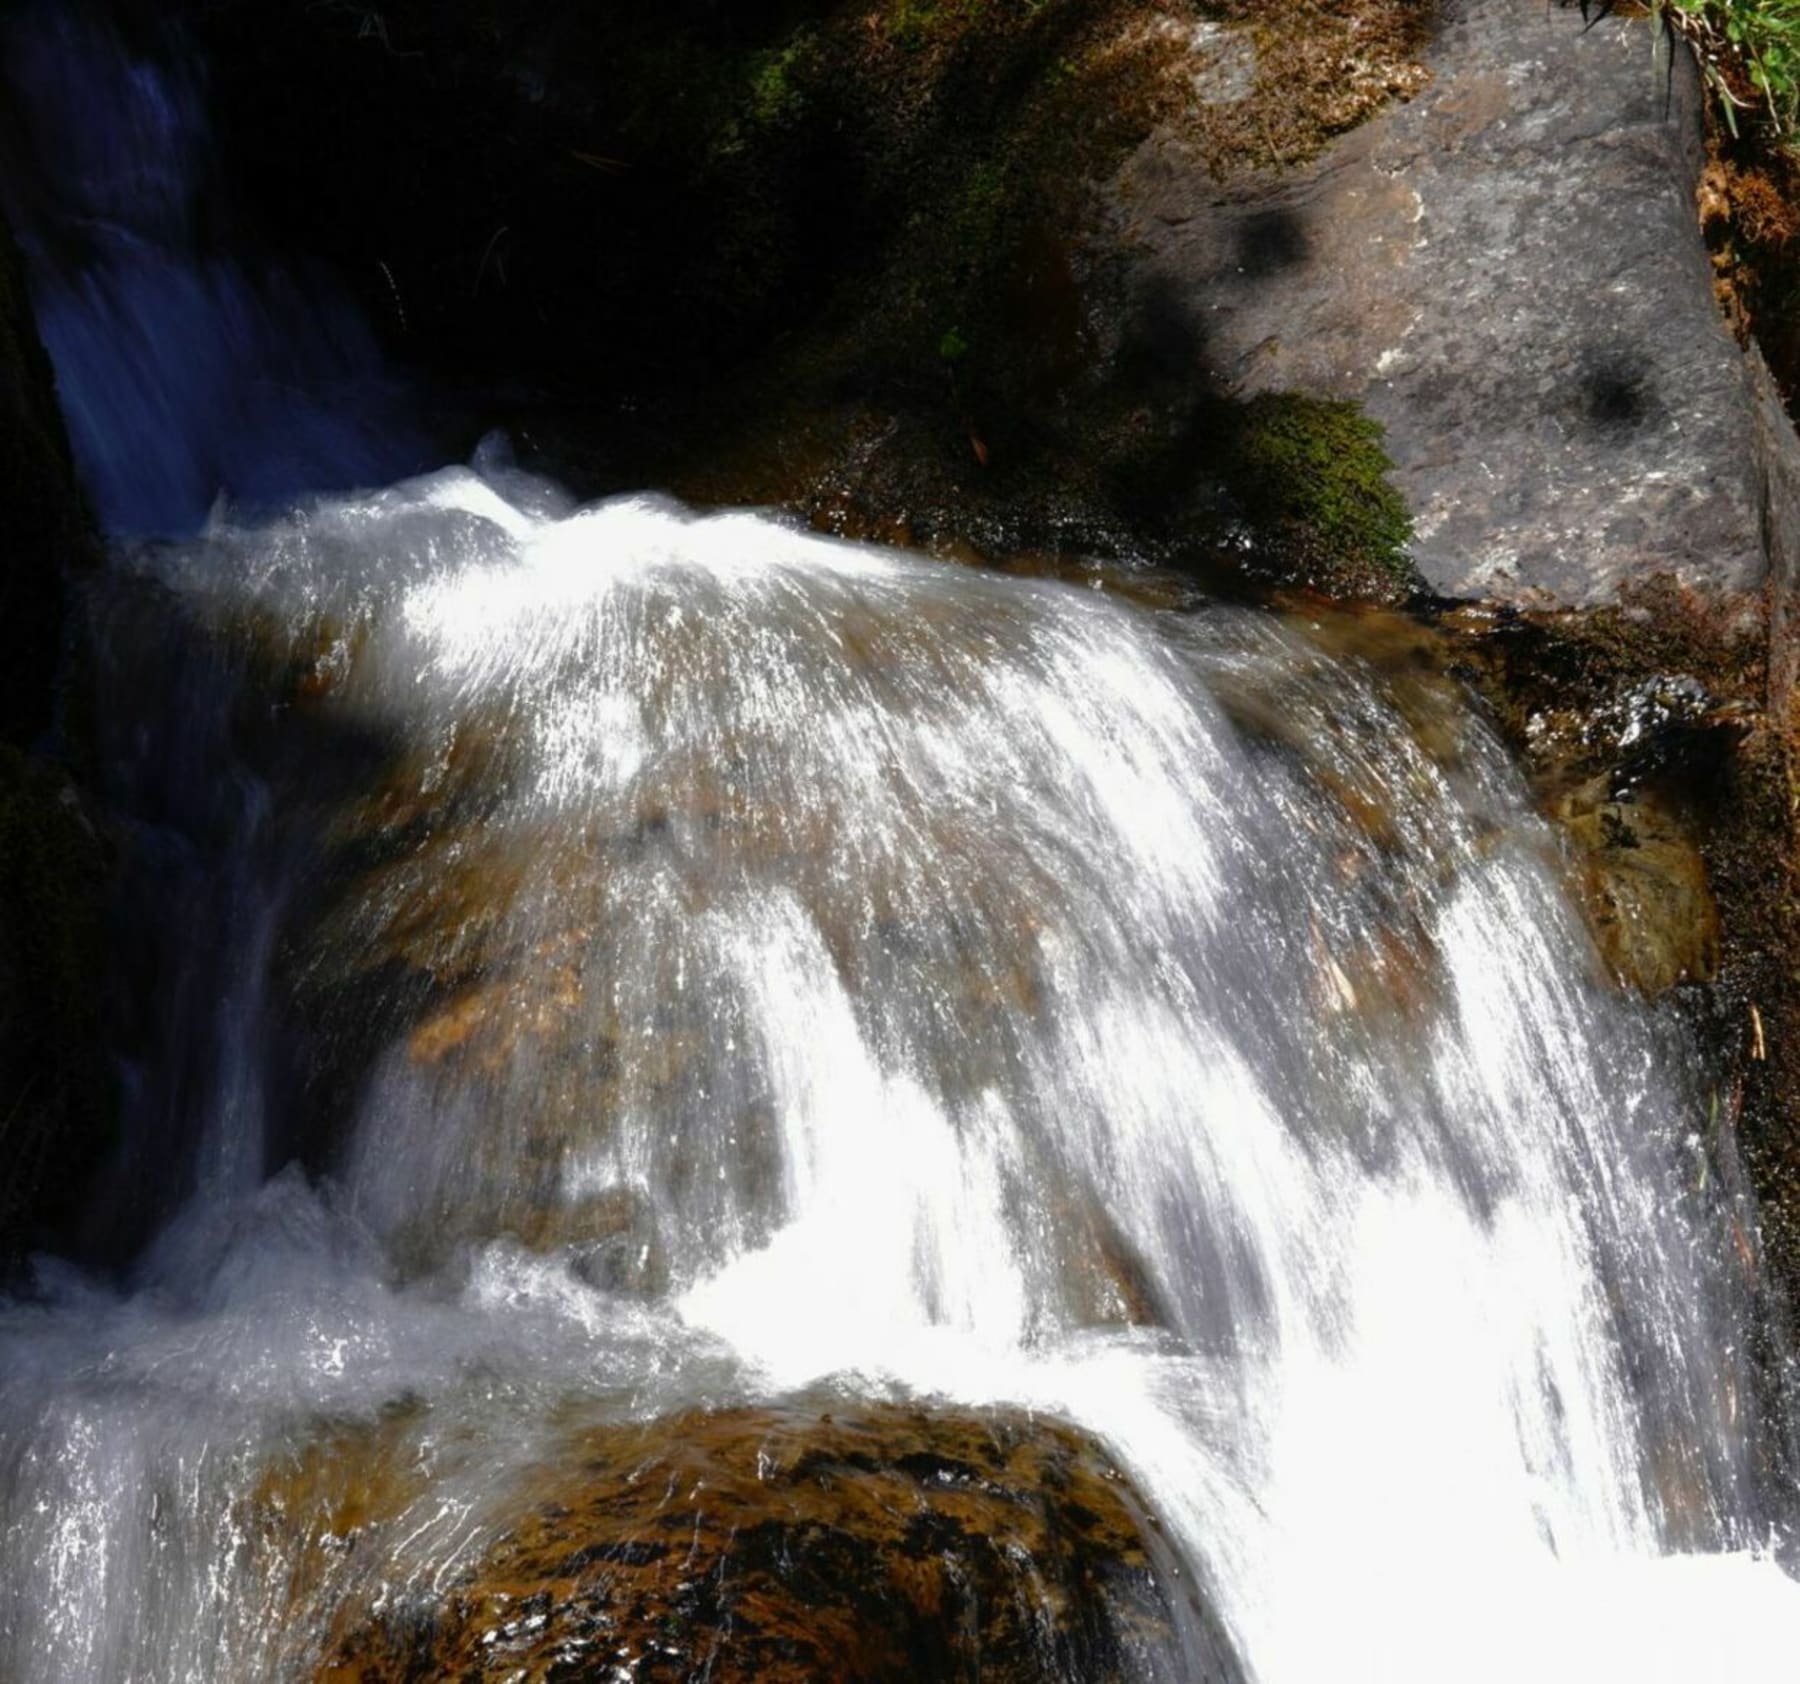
969 987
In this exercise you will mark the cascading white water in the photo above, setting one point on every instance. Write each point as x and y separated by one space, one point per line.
832 966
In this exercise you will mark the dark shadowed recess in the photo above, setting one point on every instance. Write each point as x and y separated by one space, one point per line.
838 254
554 205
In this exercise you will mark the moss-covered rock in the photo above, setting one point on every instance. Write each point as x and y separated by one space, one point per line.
847 255
1311 474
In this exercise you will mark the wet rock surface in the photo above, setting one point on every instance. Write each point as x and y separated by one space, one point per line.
1625 758
776 1544
1646 887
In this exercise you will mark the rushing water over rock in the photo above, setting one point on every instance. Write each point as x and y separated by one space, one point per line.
698 965
188 367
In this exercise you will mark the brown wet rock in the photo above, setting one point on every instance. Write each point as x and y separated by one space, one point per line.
1572 693
327 1497
466 958
882 1543
1630 721
1623 745
1104 1281
1645 886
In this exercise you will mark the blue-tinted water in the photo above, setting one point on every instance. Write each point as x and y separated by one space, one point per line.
189 369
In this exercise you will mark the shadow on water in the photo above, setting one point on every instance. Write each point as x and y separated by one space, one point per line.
220 823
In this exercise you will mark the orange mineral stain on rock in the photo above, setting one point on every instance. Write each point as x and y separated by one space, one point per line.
780 1544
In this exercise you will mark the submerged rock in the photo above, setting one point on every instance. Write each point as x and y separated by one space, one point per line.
1646 890
774 1544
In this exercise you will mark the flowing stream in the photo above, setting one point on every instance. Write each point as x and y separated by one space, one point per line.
596 962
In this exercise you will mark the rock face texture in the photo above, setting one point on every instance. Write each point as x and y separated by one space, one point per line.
773 1545
41 526
1508 273
52 1100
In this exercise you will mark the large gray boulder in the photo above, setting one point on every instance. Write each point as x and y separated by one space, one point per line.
1508 273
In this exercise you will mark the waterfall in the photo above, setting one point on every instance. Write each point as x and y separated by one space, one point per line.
580 965
693 961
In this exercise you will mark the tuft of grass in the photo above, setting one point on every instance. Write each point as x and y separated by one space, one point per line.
1749 51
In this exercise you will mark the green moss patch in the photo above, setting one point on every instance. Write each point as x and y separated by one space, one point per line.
1311 475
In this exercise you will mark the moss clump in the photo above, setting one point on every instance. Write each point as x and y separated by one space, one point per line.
914 25
1749 203
1311 476
778 98
52 1096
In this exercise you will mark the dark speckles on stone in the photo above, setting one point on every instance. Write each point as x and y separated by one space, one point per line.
1616 393
1508 272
